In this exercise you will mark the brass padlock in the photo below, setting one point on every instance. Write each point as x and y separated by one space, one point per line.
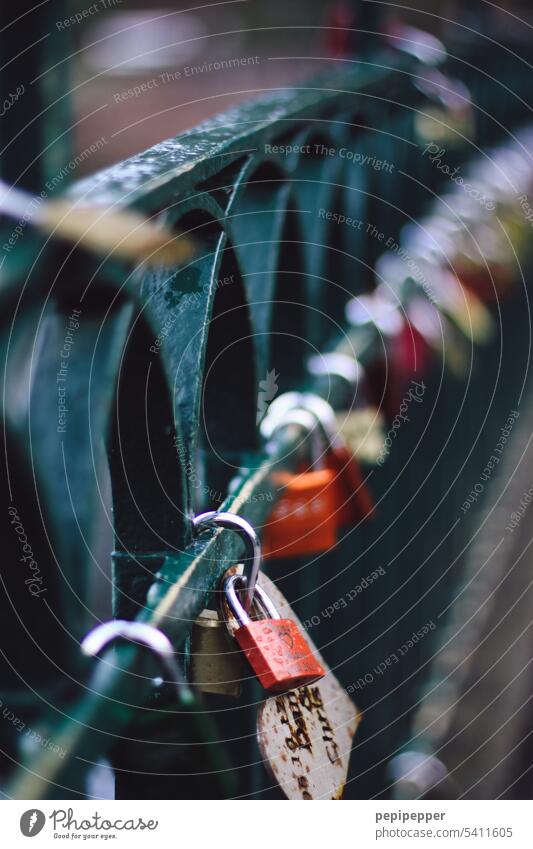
363 430
216 665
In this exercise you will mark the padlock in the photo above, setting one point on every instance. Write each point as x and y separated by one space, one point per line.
337 498
275 648
216 665
351 495
305 518
357 424
363 429
236 523
448 115
404 344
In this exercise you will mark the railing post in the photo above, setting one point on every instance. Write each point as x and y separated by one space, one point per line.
35 137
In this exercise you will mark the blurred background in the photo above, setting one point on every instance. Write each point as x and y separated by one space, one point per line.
275 43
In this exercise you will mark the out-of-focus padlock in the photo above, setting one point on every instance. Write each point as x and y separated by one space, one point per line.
403 346
305 518
354 502
363 429
216 665
275 648
343 498
359 425
448 114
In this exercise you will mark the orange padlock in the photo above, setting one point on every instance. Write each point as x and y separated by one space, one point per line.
353 497
305 518
314 504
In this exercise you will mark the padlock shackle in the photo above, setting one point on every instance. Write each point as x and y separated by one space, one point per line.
141 633
303 408
284 415
336 364
264 602
252 563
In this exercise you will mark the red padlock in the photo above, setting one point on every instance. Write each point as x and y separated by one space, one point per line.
404 343
275 648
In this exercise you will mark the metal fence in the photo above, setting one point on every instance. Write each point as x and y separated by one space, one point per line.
135 358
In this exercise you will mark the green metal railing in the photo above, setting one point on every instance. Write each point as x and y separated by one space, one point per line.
161 386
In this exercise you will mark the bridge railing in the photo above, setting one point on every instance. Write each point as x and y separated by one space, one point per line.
138 337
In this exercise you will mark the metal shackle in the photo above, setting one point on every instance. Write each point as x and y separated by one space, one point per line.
336 364
252 563
261 598
137 632
323 413
277 412
143 634
293 407
289 409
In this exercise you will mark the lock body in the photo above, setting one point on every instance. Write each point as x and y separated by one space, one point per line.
278 654
216 665
305 518
351 494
